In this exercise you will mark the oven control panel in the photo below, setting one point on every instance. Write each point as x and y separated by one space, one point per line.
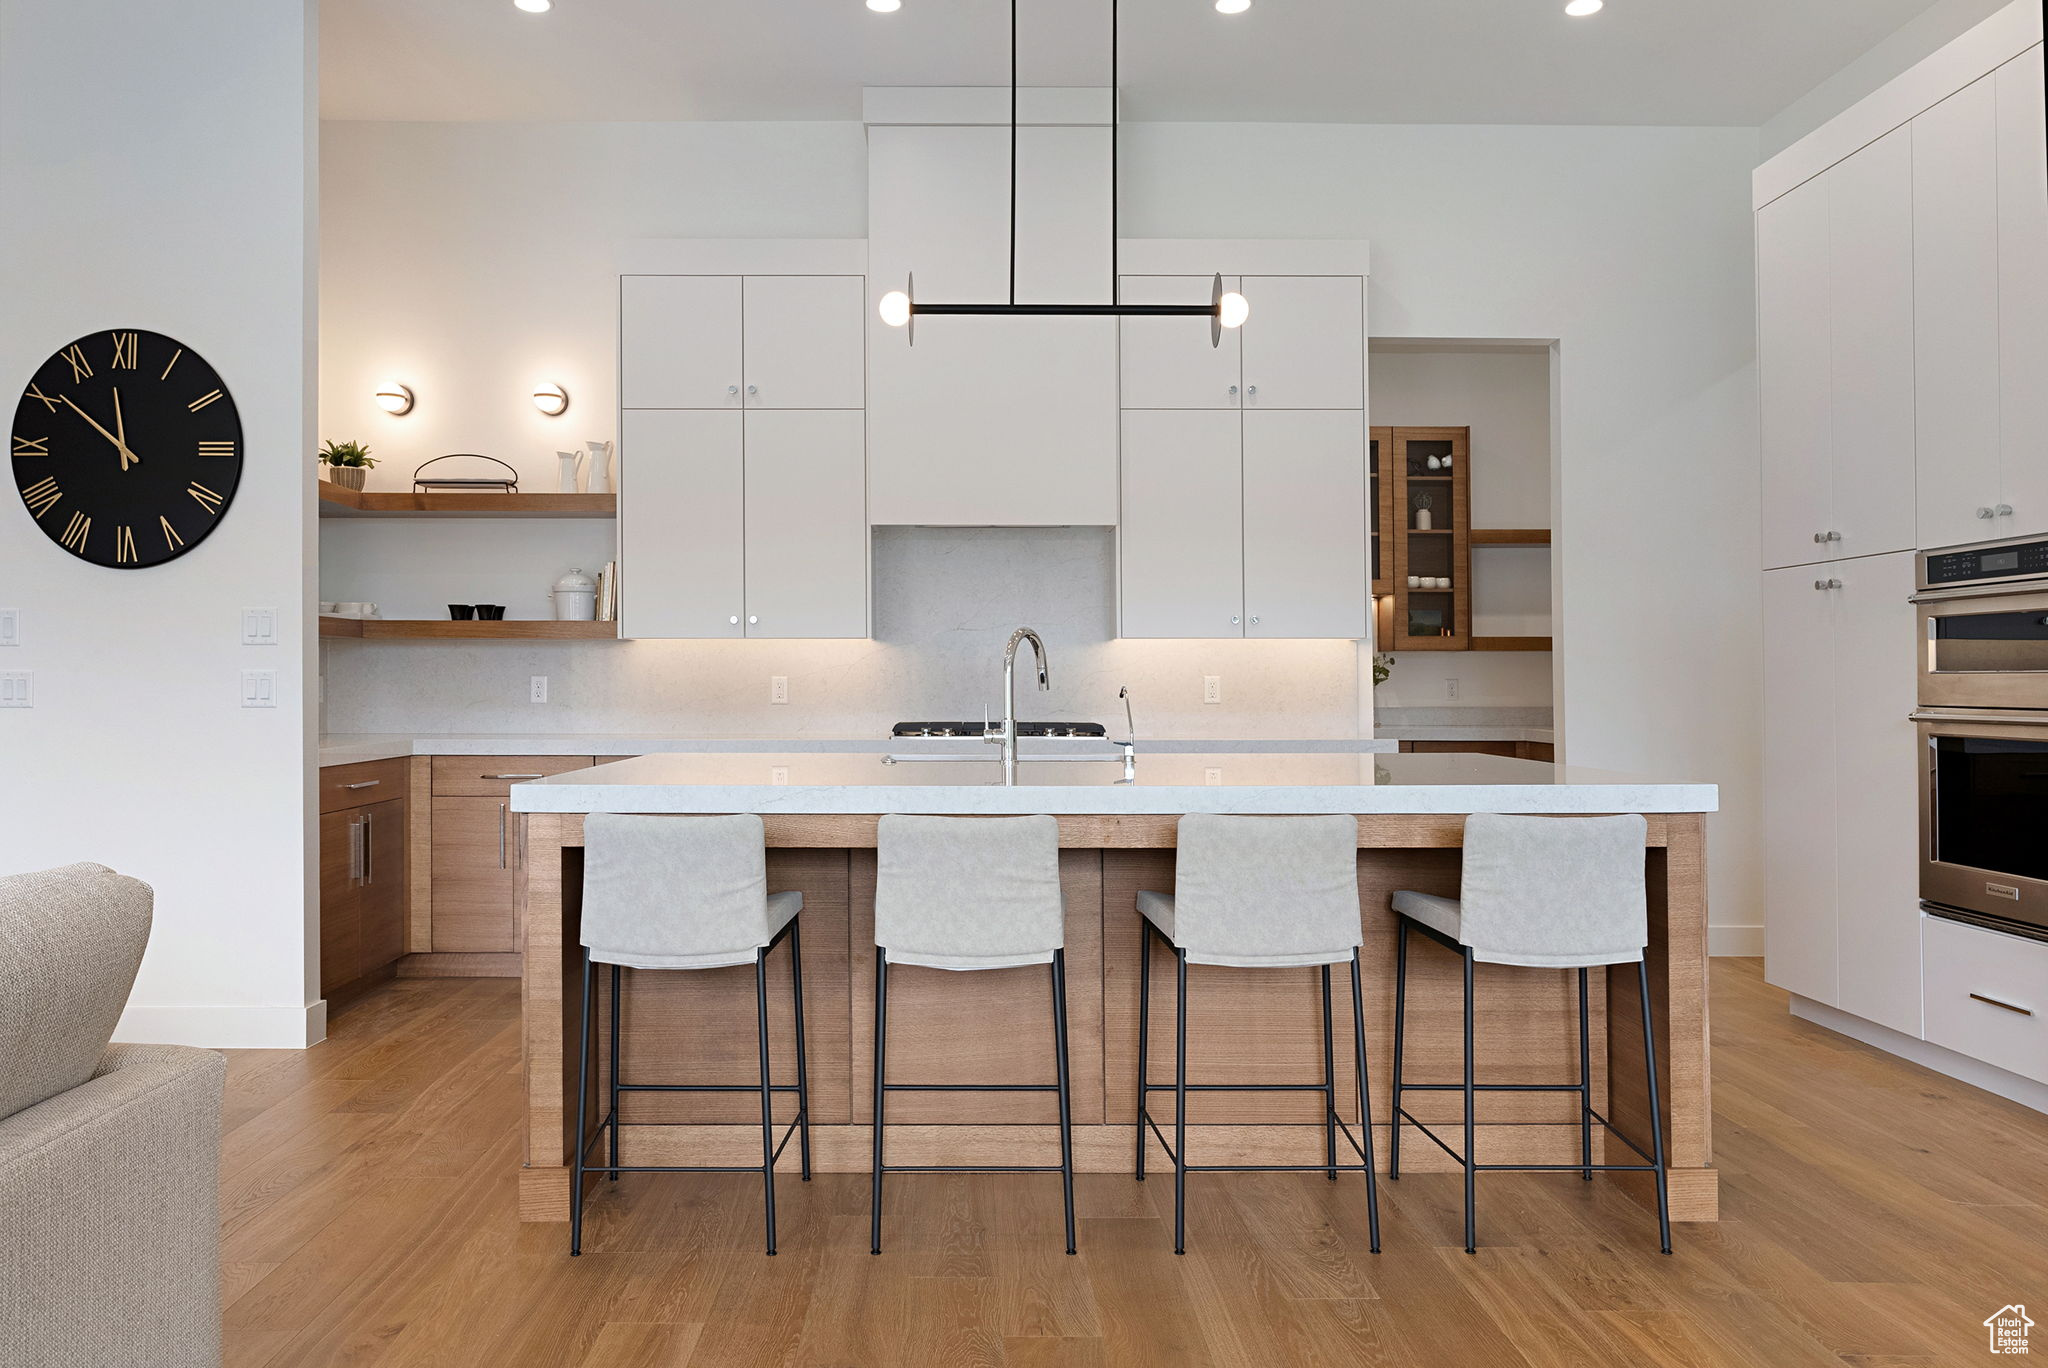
1972 564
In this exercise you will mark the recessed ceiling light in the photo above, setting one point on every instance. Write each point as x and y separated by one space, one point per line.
1579 9
534 6
885 6
1232 6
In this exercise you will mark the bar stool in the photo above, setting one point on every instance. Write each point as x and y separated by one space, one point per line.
1544 892
1257 893
673 893
965 893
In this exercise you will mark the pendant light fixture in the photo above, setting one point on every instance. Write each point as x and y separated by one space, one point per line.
1225 309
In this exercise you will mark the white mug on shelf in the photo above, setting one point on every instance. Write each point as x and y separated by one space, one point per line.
1415 581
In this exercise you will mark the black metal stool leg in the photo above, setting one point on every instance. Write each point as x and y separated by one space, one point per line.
1372 1182
881 1063
577 1141
803 1071
612 1119
1059 1037
1180 1104
1656 1110
1144 1031
1400 1023
1585 1078
1329 1082
1471 1155
767 1097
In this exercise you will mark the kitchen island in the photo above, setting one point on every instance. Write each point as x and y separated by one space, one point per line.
1116 838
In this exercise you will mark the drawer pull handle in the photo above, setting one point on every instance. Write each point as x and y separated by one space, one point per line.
2007 1006
515 776
367 783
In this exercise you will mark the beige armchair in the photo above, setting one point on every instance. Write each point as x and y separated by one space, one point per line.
109 1155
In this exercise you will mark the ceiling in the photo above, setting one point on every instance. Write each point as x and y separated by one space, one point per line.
1726 62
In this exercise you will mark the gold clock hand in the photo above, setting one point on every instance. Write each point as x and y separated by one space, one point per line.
121 433
126 454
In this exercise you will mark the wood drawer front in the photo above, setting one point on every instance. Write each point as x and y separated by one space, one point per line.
474 855
373 781
1958 961
485 776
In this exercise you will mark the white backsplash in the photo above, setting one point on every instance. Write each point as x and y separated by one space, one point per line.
945 601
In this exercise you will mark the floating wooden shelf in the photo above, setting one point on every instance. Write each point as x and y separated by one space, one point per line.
430 629
336 502
1511 536
1529 643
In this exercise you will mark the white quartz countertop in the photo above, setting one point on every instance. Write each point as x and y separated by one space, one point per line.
353 748
1213 781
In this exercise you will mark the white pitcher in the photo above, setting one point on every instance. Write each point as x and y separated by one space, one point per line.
600 467
565 482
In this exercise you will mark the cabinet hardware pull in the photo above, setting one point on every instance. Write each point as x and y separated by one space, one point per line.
515 776
1255 619
1984 511
369 848
732 389
734 619
2003 510
753 621
355 851
1233 619
501 835
1233 389
367 783
2007 1006
753 389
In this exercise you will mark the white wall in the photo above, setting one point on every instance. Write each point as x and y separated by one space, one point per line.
156 171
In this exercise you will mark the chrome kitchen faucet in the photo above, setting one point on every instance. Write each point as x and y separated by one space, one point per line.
1007 737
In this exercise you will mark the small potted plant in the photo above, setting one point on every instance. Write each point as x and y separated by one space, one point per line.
347 463
1382 666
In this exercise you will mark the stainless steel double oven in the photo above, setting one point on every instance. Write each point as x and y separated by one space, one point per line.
1983 720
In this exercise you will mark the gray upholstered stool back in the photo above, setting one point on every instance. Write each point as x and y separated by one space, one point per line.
968 892
1265 890
678 892
1556 892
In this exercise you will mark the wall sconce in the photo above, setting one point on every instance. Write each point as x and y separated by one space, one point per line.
550 398
393 397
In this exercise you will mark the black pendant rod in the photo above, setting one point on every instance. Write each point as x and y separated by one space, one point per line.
1013 152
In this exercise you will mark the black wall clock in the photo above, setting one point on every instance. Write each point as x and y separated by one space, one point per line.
127 448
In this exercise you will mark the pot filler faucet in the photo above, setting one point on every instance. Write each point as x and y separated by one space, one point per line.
1007 737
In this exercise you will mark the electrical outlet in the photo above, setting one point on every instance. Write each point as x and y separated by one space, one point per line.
259 626
778 774
1213 775
537 689
10 627
259 688
1450 688
778 688
1212 688
17 689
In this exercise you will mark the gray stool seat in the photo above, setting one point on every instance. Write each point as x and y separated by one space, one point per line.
680 893
1256 893
969 893
1546 893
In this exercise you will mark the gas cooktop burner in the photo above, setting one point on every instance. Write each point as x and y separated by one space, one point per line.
1059 729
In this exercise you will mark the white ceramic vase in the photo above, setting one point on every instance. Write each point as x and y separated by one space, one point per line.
565 482
600 468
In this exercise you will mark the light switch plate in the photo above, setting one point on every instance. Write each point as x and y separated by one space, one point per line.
17 689
259 626
10 626
259 688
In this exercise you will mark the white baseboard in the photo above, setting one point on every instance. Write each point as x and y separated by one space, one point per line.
1740 942
225 1028
1928 1055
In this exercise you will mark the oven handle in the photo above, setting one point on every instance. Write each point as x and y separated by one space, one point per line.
2002 589
1982 716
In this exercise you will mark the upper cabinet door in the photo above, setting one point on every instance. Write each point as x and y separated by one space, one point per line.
1955 326
2023 299
1795 372
807 525
679 342
1304 524
681 522
1169 363
1180 550
1304 343
1870 280
805 342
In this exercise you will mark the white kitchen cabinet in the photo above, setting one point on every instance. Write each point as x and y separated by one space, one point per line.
1987 996
1180 547
1870 312
1956 312
1305 524
1304 342
682 522
804 341
806 524
1801 914
1795 372
2023 300
1170 363
679 341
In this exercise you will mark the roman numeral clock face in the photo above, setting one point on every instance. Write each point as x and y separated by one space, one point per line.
127 449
